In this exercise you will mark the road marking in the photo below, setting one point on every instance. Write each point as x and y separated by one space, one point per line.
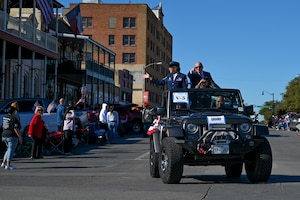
141 157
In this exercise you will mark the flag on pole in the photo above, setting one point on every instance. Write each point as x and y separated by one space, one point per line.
154 126
75 20
46 7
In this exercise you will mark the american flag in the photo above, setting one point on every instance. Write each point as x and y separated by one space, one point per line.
75 20
152 129
46 7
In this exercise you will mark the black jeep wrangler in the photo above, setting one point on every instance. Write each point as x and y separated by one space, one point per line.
208 127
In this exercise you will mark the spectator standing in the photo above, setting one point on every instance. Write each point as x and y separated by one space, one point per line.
10 135
197 73
112 122
36 131
175 79
16 106
287 121
69 129
103 119
61 109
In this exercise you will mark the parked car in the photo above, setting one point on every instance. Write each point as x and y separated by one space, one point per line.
295 123
26 111
131 117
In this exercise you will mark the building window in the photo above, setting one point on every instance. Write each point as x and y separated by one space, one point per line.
128 58
129 22
111 58
87 22
111 40
112 22
129 40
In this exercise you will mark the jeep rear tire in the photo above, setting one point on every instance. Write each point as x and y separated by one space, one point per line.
234 170
171 161
258 164
153 160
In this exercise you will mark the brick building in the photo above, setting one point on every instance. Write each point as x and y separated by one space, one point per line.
139 38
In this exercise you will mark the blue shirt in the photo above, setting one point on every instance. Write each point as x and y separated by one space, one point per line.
180 81
60 114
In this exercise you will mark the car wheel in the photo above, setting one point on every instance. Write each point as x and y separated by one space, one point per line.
171 161
234 170
258 164
153 160
137 128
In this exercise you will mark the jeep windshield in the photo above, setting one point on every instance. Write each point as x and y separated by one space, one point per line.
201 100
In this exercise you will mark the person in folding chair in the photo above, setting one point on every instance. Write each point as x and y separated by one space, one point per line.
35 131
69 129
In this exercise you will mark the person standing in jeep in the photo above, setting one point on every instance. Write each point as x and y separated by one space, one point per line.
197 73
175 78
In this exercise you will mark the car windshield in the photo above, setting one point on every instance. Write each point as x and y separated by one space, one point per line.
204 100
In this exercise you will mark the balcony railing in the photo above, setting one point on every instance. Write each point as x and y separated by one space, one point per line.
27 32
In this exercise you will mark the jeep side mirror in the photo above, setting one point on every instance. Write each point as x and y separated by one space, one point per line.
160 110
249 110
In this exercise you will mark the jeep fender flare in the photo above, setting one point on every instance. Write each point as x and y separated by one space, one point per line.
157 138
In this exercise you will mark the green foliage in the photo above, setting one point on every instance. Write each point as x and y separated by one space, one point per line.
290 101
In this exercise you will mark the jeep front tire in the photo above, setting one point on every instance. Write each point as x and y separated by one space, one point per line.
171 161
258 164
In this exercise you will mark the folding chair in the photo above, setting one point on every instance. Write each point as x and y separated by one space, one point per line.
55 142
25 148
83 135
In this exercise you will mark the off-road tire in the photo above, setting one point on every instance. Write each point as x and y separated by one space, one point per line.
258 164
171 161
153 160
234 170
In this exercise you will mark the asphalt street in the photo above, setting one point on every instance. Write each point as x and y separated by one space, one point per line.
121 171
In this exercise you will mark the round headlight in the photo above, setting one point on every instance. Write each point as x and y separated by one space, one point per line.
244 127
192 128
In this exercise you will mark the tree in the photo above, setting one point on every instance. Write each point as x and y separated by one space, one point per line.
291 99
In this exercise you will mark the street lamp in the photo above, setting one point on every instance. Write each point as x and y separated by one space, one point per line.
273 103
144 84
156 63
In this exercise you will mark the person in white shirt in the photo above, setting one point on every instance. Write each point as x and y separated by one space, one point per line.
112 122
103 119
69 129
102 116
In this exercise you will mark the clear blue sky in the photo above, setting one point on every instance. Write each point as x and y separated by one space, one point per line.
251 45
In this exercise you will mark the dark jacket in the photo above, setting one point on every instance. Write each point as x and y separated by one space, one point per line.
10 122
180 81
195 77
